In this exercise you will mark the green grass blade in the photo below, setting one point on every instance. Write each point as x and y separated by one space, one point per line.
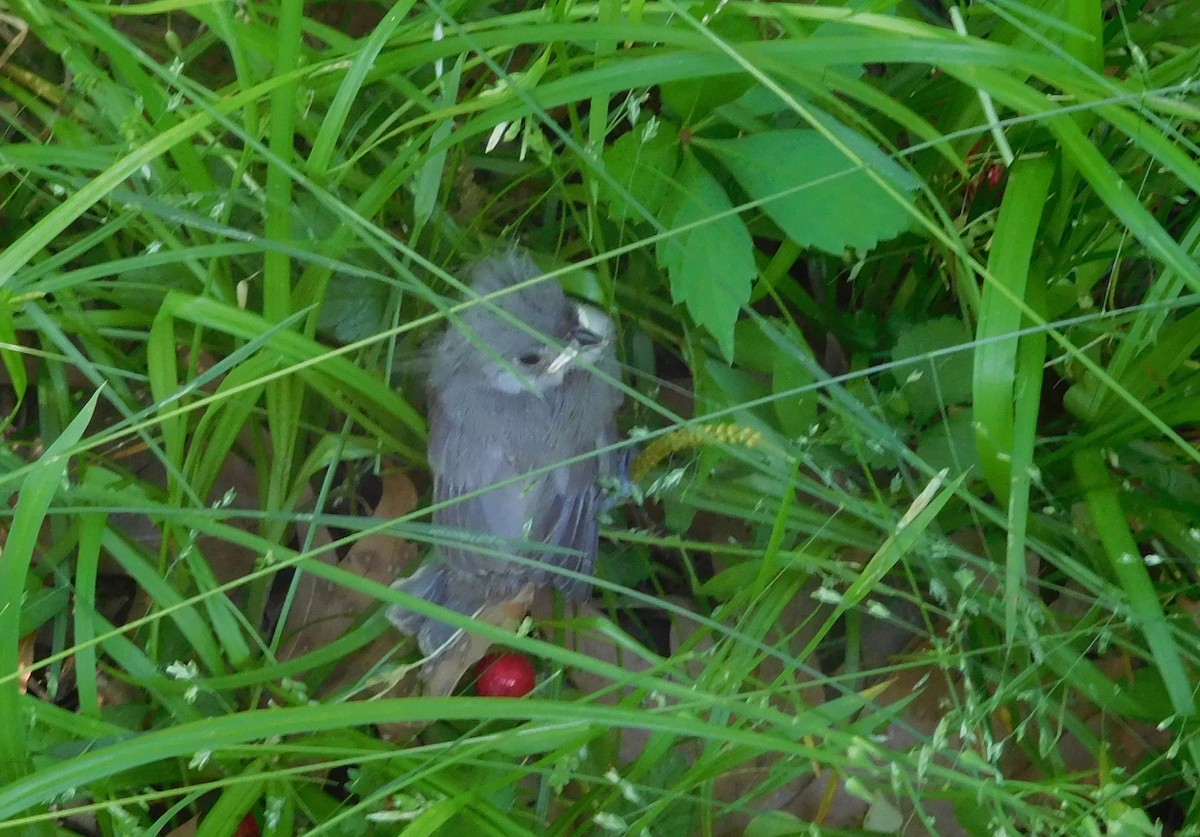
1129 569
44 480
1001 314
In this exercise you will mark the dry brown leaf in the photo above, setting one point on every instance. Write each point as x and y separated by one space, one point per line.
323 611
26 654
188 829
236 486
15 38
442 673
826 801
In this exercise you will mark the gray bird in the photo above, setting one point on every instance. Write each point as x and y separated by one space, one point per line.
505 402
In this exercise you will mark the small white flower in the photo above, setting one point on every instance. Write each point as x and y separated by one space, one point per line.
183 671
611 822
627 789
827 595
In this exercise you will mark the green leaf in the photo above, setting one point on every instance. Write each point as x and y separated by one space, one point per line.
767 349
936 378
819 194
642 163
950 444
693 99
710 259
354 307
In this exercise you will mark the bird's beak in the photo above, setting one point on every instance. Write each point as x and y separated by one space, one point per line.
592 332
568 354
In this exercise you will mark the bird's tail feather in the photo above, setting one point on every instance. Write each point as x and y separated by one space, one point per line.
437 584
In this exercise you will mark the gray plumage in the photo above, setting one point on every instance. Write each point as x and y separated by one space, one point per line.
505 402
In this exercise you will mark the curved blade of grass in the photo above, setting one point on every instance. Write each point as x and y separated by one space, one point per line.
218 430
429 179
998 376
1146 363
1129 569
87 566
53 223
325 144
14 362
216 734
1092 165
1027 397
234 803
140 669
365 397
908 532
1001 311
41 483
190 620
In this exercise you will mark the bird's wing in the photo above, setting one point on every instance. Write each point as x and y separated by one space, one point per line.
549 517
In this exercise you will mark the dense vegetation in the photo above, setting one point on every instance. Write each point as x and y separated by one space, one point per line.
908 312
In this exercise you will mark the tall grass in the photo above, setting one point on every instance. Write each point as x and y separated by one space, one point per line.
941 268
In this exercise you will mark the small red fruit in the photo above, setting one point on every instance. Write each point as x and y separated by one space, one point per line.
248 827
505 674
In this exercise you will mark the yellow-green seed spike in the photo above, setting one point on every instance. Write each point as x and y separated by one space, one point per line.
664 446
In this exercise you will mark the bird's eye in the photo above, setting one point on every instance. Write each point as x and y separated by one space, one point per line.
531 359
585 337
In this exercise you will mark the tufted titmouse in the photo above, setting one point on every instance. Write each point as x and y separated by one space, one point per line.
505 402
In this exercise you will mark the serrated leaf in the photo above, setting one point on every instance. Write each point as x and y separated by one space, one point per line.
818 195
711 265
643 164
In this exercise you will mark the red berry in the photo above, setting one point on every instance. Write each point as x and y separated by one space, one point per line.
248 827
505 675
995 174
